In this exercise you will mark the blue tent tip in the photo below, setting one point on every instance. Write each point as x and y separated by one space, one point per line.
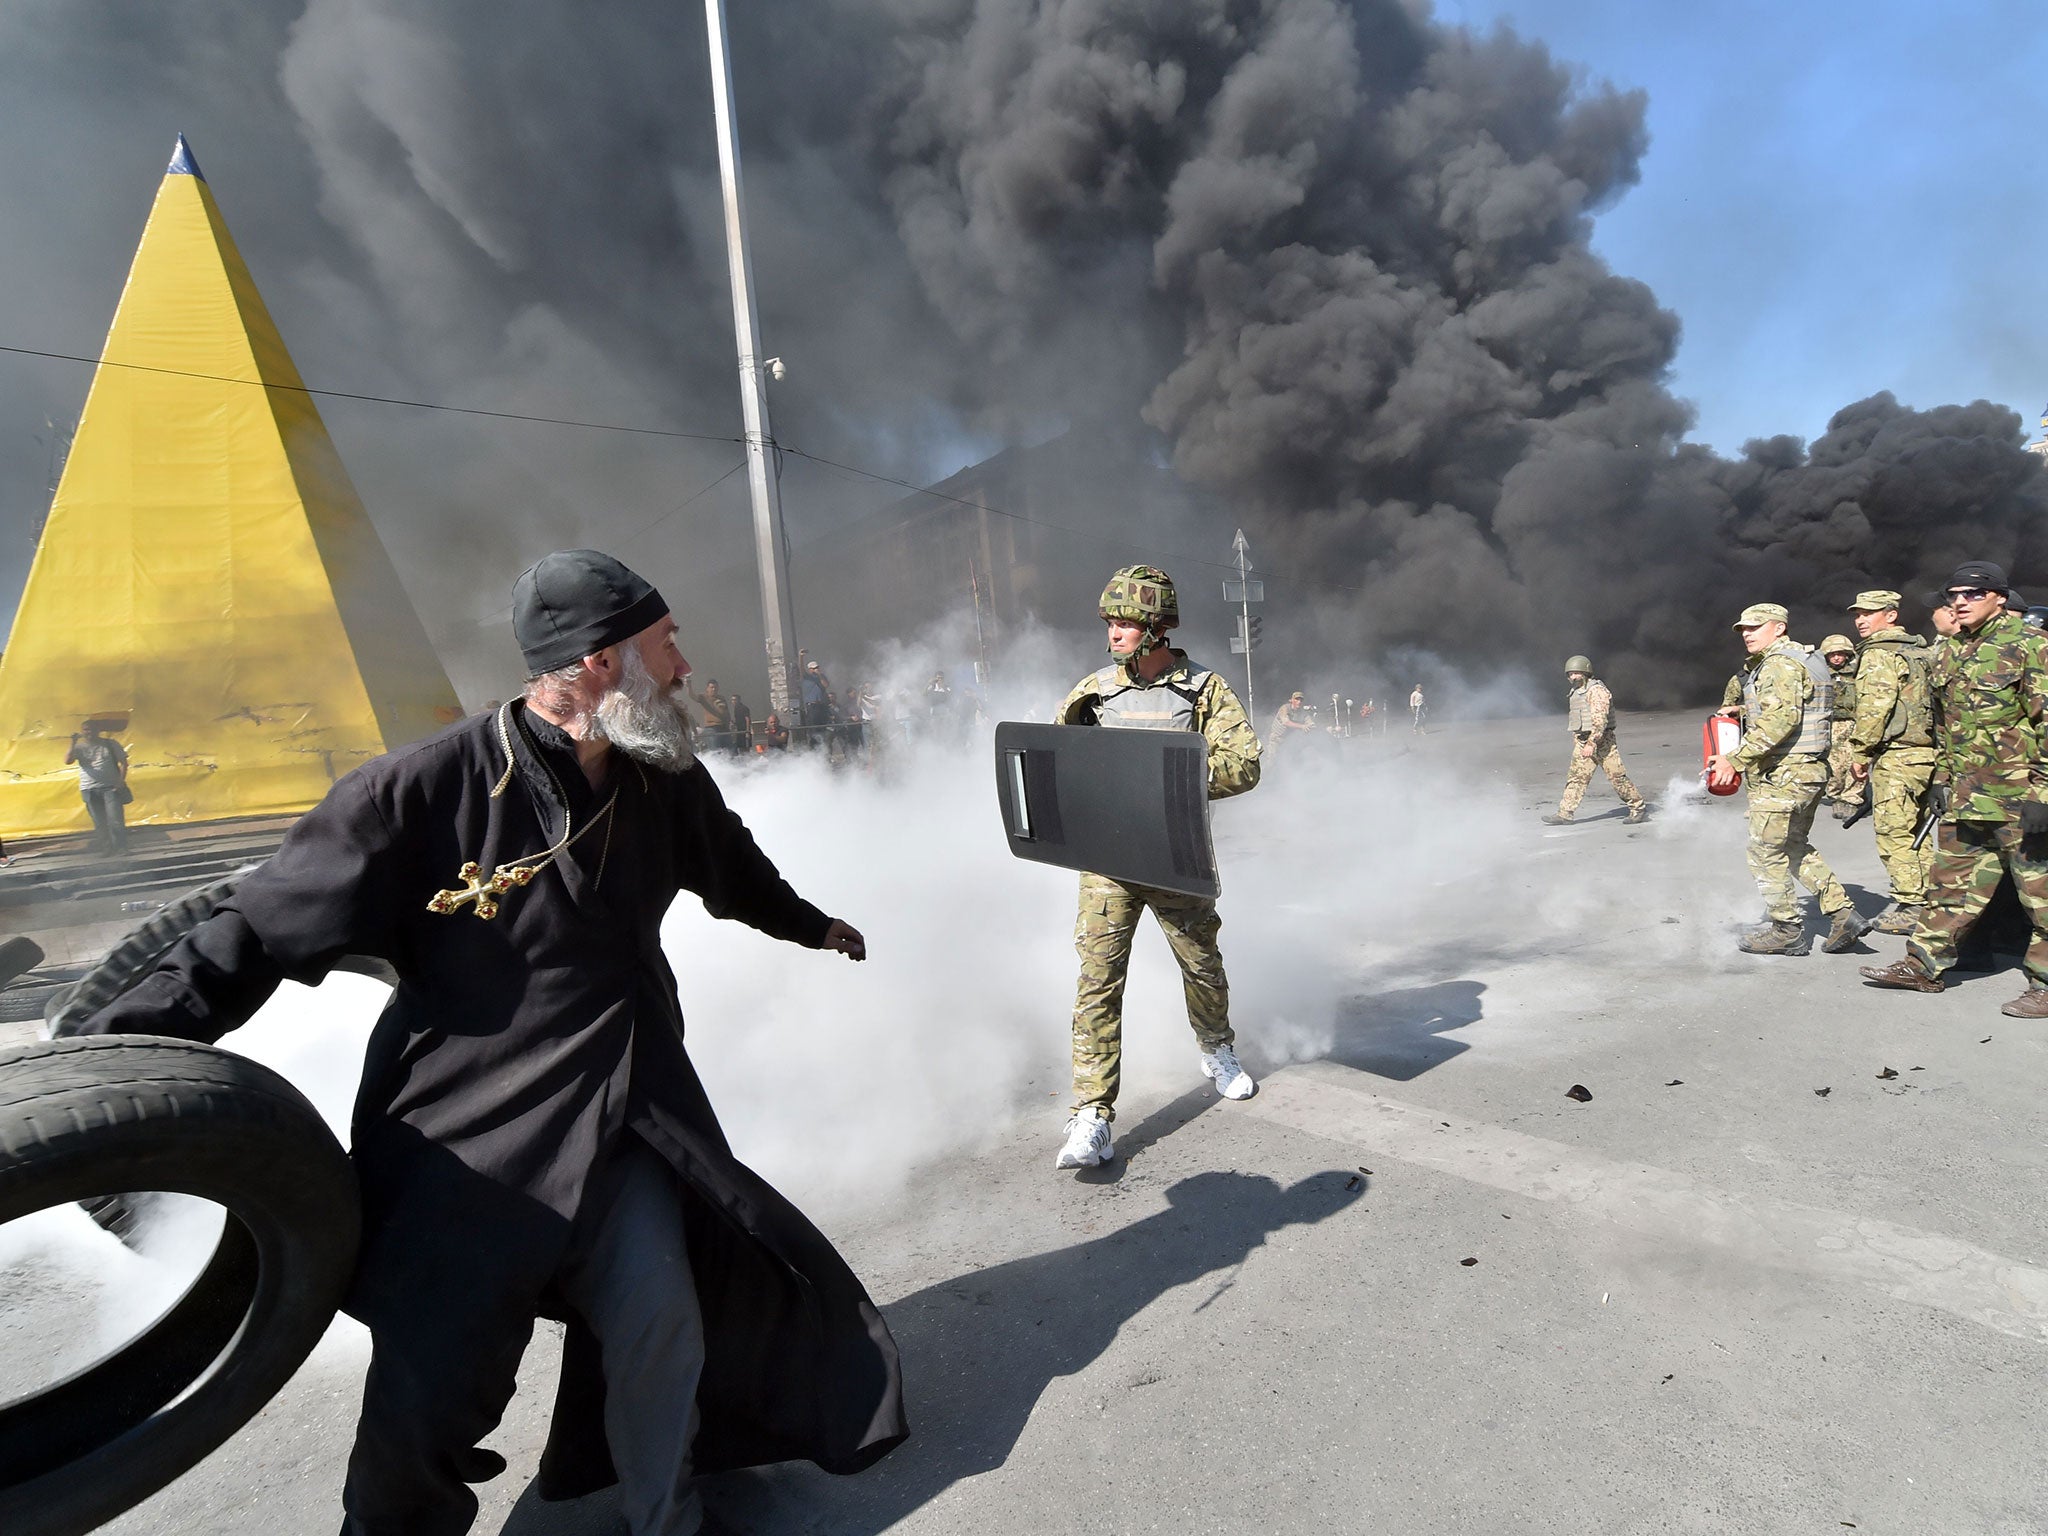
182 163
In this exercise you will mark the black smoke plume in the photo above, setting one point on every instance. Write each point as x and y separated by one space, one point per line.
1332 255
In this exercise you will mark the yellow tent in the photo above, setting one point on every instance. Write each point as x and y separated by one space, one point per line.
207 581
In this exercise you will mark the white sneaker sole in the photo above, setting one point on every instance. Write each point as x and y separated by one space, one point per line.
1074 1160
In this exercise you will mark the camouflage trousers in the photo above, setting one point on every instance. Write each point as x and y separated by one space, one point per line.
1961 882
1782 800
1607 758
1898 780
1108 922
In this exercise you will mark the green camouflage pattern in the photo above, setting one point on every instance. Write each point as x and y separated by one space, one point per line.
1841 785
1233 744
1606 756
1894 696
1783 688
1990 718
1141 594
1898 783
1108 921
1783 797
1964 876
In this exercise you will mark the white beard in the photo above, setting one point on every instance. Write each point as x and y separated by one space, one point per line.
642 719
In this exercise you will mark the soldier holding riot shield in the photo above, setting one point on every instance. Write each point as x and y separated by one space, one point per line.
1150 686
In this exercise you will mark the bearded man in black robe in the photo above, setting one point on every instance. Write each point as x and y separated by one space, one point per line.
530 1135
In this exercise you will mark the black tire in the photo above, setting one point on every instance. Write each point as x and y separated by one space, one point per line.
21 1005
17 955
106 1114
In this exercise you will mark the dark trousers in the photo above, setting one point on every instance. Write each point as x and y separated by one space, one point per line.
109 819
435 1392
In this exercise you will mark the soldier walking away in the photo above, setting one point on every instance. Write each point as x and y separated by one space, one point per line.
1843 792
1589 717
1990 687
103 785
1891 749
531 1136
1150 686
1416 709
1782 697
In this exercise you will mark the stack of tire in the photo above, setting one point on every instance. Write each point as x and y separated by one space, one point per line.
89 1119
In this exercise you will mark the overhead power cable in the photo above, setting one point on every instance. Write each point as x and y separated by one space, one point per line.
344 394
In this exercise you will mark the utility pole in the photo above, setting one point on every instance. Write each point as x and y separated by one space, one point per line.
770 542
1244 592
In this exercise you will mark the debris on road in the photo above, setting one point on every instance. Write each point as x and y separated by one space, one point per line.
1888 1074
1580 1092
1676 1082
1821 1093
1467 1263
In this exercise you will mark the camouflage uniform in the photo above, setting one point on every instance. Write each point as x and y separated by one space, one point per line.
1782 762
1842 787
1892 734
1990 731
1590 719
1184 698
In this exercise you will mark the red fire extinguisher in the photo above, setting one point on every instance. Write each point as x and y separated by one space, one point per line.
1720 736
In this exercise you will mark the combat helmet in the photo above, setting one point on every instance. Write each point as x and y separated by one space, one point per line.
1834 643
1578 664
1142 594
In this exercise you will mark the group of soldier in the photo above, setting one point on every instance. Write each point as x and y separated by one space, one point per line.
1941 743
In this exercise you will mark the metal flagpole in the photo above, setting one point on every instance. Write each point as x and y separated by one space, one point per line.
777 618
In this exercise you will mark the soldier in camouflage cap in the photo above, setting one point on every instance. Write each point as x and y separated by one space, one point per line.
1781 697
1150 686
1589 716
1990 688
1843 792
1891 748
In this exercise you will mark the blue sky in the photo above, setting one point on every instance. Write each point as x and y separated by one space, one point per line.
1837 199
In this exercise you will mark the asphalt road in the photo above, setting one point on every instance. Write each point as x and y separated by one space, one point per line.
1755 1283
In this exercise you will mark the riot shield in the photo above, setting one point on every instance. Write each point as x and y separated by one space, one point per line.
1133 805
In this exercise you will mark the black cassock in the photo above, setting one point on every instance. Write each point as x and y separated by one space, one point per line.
516 1052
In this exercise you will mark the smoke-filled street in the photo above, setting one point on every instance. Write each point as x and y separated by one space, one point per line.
1781 1271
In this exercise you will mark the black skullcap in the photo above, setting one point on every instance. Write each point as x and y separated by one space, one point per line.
576 602
1980 573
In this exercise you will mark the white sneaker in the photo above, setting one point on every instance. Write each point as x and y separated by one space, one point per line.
1088 1141
1232 1081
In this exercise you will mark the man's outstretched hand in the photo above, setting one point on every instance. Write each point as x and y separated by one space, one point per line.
846 938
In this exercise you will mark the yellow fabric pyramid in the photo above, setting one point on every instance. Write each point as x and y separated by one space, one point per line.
208 583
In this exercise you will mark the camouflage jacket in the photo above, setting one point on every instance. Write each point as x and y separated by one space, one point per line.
1589 712
1990 719
1845 693
1783 688
1894 704
1233 744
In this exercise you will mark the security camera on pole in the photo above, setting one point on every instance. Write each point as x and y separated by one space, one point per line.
1244 592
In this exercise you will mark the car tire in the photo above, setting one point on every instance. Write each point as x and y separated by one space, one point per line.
111 1114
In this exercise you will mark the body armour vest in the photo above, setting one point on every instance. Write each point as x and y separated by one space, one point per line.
1911 722
1814 736
1579 715
1167 705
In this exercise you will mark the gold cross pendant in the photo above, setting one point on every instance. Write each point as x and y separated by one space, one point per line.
481 891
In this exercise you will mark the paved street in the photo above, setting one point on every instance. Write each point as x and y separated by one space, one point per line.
1755 1283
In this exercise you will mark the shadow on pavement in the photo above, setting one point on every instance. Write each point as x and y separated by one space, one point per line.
1400 1034
980 1350
1148 1133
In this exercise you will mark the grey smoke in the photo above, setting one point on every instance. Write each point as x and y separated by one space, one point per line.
1332 255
